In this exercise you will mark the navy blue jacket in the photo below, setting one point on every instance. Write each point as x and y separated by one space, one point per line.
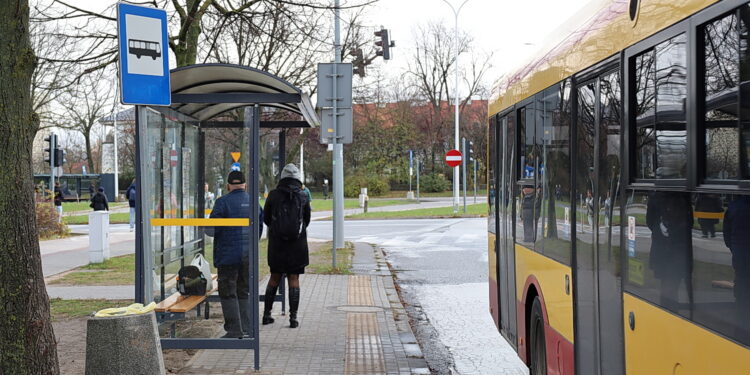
131 202
231 244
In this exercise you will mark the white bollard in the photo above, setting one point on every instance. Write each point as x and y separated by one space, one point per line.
362 197
98 236
410 195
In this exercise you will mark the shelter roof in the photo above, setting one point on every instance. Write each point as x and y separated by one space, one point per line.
195 85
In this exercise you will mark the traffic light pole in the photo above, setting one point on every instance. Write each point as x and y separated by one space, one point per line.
463 166
52 148
338 151
475 180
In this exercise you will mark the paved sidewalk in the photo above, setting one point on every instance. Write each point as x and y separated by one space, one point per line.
349 324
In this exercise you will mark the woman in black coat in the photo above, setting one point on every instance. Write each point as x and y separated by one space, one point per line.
287 215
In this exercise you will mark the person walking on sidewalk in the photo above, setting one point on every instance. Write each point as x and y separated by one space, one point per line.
99 201
58 201
287 215
130 193
231 257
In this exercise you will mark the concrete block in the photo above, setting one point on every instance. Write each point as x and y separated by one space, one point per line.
123 345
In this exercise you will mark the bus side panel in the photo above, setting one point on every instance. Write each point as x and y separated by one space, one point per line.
548 277
663 343
492 260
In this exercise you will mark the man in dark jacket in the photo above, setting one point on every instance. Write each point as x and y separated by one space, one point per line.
287 254
231 257
99 201
130 194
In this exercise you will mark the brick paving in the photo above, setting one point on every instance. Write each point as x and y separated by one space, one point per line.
349 324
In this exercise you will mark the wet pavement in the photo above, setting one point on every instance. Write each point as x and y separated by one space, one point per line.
441 270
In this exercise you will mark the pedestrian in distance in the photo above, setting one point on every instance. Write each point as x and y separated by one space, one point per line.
232 257
99 201
287 215
130 193
58 198
307 192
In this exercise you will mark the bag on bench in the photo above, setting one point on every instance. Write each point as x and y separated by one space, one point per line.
191 282
202 264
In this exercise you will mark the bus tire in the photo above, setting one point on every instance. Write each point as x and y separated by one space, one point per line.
538 347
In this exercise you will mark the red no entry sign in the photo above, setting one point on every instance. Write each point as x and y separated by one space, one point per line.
453 158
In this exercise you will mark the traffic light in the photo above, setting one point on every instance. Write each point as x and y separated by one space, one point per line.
384 43
468 149
59 157
359 62
51 141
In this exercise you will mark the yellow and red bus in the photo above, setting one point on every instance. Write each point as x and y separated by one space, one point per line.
619 194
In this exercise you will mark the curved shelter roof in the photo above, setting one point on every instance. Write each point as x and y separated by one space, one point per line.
205 91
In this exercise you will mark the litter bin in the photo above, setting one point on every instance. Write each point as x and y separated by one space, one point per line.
127 344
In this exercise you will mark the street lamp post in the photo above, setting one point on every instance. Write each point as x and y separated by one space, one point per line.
455 99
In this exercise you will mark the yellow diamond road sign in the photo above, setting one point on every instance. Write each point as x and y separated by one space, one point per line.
236 156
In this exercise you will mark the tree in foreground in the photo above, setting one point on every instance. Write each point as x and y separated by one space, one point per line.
27 343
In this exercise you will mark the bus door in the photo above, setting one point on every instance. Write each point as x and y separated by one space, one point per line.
506 239
597 278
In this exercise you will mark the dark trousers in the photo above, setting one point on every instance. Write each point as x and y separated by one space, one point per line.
234 281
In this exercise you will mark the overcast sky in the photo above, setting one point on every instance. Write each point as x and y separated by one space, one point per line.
512 30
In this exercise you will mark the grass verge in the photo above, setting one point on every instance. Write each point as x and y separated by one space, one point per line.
114 218
76 308
113 271
474 210
84 206
321 259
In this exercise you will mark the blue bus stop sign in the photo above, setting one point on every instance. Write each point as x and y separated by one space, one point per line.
144 55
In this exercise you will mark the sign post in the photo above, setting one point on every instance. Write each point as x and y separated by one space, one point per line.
144 55
453 158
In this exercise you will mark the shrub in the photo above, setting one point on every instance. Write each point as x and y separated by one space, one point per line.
46 221
434 183
376 186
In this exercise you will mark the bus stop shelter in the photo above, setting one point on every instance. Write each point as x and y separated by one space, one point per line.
171 213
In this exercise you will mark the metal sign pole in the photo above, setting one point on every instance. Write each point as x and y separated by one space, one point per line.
338 151
255 228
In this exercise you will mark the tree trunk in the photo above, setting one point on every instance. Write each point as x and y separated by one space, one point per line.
27 343
89 156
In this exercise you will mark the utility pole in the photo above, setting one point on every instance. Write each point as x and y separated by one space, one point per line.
338 149
455 99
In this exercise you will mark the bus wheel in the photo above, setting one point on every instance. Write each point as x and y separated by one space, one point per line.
538 346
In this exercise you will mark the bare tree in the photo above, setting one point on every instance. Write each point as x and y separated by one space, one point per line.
84 105
27 341
430 73
95 31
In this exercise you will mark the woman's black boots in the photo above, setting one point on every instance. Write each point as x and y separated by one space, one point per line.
268 303
293 306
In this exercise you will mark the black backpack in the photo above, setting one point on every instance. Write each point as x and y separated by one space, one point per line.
191 282
287 218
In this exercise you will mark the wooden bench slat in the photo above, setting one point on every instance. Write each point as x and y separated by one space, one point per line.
186 304
179 303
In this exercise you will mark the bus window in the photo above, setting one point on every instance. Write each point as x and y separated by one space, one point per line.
721 264
661 95
721 79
